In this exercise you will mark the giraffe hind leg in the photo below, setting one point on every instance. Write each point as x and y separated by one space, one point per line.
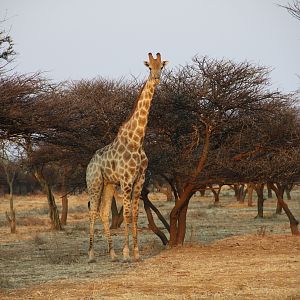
104 212
126 191
95 191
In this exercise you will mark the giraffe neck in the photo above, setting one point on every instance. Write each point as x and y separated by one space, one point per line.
134 129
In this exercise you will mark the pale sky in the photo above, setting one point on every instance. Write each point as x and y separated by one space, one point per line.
83 39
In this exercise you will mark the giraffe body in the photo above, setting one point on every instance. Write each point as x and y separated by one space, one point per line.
122 163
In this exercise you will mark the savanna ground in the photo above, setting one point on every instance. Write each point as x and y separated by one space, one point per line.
227 255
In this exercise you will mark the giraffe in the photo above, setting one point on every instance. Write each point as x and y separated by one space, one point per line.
123 163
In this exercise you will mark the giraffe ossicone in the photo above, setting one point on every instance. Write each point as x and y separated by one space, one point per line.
123 163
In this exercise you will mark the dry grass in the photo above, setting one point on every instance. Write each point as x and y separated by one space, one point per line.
228 255
32 221
244 267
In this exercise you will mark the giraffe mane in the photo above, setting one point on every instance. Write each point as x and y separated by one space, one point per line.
135 104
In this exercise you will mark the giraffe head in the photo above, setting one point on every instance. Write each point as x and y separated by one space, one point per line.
155 66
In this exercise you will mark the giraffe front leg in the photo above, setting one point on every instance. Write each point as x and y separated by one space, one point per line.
126 214
135 212
105 207
135 208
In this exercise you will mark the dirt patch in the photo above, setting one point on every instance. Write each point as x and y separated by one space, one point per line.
228 255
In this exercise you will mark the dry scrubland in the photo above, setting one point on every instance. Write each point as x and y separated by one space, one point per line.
228 255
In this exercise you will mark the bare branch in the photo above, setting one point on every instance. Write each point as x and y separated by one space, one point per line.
293 9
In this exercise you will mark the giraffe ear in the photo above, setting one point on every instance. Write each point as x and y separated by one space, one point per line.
146 63
164 63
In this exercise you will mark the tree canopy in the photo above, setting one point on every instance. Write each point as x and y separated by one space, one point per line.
211 121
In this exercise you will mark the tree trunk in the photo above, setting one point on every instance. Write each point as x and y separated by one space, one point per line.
114 214
288 188
64 211
279 190
164 188
217 197
169 192
54 214
117 216
11 216
278 208
172 185
10 178
202 190
144 196
250 194
259 188
178 213
151 223
236 190
53 211
269 190
239 192
182 222
216 193
64 200
178 217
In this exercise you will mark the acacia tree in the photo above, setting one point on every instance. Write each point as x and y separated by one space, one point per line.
38 160
78 119
204 117
74 120
9 160
267 151
198 108
19 117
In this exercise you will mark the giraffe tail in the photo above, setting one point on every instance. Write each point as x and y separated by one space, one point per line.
95 192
